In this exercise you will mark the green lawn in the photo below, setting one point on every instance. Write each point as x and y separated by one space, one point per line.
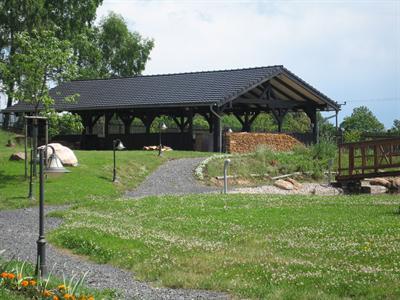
90 180
251 246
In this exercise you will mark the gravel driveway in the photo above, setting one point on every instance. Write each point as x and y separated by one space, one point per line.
19 232
175 177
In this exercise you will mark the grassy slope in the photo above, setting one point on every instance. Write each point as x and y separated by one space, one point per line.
91 179
311 160
292 247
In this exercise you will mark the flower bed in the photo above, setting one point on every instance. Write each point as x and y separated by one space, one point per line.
18 280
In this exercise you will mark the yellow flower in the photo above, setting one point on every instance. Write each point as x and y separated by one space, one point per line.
24 283
32 282
47 293
61 287
4 275
67 296
11 276
56 298
91 298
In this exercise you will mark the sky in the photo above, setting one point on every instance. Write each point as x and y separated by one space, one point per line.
349 50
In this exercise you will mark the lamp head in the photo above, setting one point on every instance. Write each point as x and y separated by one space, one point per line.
163 127
118 145
55 165
229 130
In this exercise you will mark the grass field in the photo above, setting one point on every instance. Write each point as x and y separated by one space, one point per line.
90 180
278 247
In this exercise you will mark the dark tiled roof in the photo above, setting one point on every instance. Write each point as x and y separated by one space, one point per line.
182 89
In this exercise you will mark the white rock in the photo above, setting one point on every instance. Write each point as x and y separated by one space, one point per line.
297 185
283 184
380 181
396 182
65 154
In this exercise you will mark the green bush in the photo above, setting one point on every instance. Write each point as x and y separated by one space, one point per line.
64 123
352 136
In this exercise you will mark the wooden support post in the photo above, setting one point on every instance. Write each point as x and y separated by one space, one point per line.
208 118
246 126
312 114
216 133
147 120
86 120
279 114
127 119
190 122
107 118
351 160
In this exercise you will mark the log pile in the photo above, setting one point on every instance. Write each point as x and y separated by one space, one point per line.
243 142
156 148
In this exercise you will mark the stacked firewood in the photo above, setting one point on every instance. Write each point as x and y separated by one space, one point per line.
243 142
156 148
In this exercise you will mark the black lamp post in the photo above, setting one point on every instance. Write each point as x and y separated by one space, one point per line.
30 194
34 120
54 167
117 145
163 127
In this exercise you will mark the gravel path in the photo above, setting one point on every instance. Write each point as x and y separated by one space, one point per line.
307 189
175 177
18 237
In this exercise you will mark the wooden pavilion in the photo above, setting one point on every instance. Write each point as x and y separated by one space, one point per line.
245 93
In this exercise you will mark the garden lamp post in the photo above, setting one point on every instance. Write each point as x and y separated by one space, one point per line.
117 145
226 164
163 127
30 194
54 166
34 120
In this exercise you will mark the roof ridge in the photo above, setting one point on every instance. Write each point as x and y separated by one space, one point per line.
183 73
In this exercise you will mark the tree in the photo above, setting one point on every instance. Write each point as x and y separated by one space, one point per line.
362 120
39 60
64 123
396 126
70 17
111 50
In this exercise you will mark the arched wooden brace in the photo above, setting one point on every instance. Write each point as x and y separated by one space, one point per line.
147 120
247 121
127 119
184 121
89 122
279 114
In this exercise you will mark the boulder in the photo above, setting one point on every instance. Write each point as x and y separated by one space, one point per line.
65 154
396 183
297 185
380 181
17 156
283 184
